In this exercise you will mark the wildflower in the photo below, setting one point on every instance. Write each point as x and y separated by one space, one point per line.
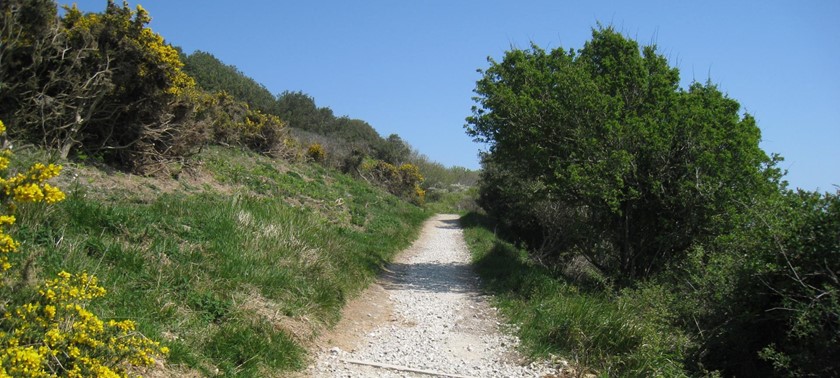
28 193
7 243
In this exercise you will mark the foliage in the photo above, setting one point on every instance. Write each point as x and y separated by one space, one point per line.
234 123
660 201
300 110
766 294
394 150
403 181
801 277
29 187
55 334
606 135
611 334
100 84
441 178
213 76
316 153
345 138
455 202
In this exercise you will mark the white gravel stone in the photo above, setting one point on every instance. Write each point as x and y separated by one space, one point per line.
446 323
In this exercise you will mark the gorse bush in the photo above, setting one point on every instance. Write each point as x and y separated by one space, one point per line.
403 181
53 334
316 152
21 188
97 84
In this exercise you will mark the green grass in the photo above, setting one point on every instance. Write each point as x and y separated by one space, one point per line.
233 281
611 334
458 202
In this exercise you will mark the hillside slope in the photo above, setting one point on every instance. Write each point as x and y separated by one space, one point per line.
234 264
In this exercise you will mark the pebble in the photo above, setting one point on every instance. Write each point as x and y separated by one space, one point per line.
434 292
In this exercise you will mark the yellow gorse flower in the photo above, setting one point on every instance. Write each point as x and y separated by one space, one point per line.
26 187
56 334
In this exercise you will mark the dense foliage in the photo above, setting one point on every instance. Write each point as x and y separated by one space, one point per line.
342 142
214 76
343 137
597 156
96 84
105 86
605 137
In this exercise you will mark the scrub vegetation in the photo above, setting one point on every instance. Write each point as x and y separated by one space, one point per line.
157 222
651 235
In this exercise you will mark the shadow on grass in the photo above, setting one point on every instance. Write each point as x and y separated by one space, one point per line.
504 269
600 332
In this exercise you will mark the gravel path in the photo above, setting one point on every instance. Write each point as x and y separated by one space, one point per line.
429 319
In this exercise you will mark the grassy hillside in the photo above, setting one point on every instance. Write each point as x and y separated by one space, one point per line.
234 263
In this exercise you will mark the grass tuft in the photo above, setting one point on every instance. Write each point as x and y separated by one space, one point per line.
611 334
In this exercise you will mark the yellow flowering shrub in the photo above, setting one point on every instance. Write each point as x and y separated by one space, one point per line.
55 335
158 57
316 152
403 181
410 178
419 195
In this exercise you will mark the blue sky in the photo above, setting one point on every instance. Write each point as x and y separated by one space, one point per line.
409 67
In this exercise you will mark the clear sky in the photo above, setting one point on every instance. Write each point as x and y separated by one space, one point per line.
409 67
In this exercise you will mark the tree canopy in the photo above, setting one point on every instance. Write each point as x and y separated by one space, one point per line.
598 157
606 134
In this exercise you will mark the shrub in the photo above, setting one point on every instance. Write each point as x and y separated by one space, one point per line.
234 123
316 153
98 84
55 334
403 181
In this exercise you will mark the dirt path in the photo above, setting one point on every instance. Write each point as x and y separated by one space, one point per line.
425 317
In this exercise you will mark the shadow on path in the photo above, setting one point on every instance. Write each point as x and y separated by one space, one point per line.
431 277
449 224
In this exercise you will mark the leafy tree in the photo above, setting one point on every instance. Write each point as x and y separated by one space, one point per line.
766 298
441 177
394 150
300 111
606 135
345 138
212 75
